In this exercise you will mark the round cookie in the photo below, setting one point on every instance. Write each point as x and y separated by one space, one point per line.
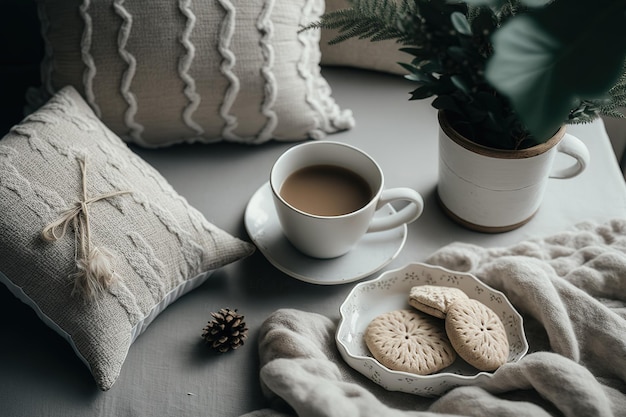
435 300
407 340
477 334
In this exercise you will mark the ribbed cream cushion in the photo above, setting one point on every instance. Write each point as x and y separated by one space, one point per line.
161 247
165 71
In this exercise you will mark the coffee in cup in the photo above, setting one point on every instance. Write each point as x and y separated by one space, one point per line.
327 193
326 190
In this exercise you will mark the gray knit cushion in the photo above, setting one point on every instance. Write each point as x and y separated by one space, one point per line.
159 246
160 72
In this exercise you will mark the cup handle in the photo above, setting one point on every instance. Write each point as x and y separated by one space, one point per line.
407 214
574 147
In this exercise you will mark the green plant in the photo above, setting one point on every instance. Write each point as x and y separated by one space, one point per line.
505 71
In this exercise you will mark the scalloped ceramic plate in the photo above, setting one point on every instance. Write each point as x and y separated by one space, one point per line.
390 291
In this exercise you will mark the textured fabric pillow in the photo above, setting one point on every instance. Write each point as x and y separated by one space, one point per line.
160 72
361 53
159 247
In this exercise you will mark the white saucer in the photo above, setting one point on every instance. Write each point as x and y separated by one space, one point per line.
372 253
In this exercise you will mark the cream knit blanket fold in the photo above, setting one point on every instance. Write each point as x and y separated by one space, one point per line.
571 290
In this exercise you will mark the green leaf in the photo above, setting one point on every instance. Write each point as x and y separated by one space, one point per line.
535 3
547 60
500 3
491 103
431 66
460 23
457 53
490 3
475 115
444 102
422 92
419 77
483 23
412 51
461 84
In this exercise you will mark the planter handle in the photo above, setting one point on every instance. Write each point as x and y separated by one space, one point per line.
574 147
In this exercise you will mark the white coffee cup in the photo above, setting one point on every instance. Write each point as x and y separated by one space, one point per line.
330 236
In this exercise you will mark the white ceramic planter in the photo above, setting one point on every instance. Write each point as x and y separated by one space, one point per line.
493 190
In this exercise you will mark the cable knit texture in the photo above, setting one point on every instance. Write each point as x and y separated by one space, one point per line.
164 72
159 246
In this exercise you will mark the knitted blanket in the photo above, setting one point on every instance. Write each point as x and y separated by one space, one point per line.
571 290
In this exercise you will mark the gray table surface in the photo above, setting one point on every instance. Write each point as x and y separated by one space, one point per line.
168 371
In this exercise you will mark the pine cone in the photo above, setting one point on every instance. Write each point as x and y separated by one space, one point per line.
226 331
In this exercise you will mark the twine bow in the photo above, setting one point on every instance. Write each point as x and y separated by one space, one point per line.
94 264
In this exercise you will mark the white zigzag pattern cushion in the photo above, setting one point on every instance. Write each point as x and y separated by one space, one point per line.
160 72
161 246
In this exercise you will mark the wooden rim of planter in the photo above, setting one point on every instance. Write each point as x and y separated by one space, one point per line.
494 152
